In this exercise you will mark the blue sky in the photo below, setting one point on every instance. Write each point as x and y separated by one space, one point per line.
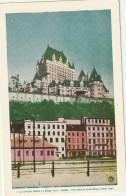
83 36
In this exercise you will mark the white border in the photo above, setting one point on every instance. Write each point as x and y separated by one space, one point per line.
4 103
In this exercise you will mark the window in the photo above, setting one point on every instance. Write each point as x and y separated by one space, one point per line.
53 132
93 134
69 146
51 140
48 126
73 146
95 121
82 134
38 126
57 149
73 140
58 126
111 134
103 121
62 139
52 153
32 153
77 140
29 126
53 126
99 121
33 132
72 134
48 153
62 133
48 132
89 141
77 146
102 128
93 128
89 128
89 147
102 134
69 139
62 126
77 134
62 148
94 142
82 146
98 128
57 140
98 134
39 133
58 133
41 153
27 153
18 153
106 134
98 141
29 133
107 128
82 140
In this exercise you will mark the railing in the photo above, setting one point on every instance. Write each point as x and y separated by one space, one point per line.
62 167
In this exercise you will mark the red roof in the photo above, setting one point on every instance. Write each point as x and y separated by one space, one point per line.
28 142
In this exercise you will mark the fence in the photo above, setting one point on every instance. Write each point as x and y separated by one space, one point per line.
62 167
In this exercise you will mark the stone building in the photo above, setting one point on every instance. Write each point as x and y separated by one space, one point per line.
55 66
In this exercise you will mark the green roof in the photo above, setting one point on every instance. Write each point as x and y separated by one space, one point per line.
66 83
105 88
76 83
37 77
95 76
82 74
49 53
52 84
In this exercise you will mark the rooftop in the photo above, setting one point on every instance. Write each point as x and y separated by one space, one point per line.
28 142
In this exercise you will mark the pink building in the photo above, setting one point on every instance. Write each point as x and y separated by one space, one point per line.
22 149
76 141
101 138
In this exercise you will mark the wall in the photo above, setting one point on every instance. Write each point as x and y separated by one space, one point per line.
31 97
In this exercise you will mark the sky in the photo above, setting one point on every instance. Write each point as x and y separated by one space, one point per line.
84 37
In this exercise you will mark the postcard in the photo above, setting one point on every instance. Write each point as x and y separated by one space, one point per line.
62 101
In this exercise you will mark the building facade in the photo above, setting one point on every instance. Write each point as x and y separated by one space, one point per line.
55 133
76 141
101 138
22 149
55 66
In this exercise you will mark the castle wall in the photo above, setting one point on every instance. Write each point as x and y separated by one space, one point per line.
31 97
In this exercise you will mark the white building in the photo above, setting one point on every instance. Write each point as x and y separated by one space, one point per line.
55 133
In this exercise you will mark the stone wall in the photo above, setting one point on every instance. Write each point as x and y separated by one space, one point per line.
32 97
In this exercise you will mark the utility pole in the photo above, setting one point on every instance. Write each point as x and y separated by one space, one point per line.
34 141
43 145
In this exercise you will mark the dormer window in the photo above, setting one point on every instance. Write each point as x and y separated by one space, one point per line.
60 59
53 57
81 84
71 83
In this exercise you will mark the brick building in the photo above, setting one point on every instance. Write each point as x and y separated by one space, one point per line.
76 141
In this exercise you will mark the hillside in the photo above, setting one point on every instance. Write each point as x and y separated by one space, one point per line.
49 111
